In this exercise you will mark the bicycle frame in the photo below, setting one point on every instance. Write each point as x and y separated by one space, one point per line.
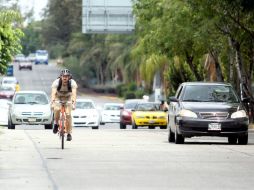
62 121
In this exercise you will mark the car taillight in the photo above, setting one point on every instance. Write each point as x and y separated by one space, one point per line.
126 113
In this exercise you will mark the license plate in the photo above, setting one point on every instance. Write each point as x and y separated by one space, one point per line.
31 119
151 121
214 127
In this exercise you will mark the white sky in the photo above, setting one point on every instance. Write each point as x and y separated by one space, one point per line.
38 6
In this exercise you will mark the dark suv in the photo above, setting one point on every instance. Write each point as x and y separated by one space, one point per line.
125 113
207 109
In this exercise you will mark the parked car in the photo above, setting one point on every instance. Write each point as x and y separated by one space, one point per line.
207 109
6 92
85 114
9 82
25 64
125 113
111 113
30 108
149 114
4 110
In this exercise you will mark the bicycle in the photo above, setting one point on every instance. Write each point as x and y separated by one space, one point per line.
62 120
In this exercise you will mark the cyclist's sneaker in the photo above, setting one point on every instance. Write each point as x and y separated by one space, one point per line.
55 129
69 138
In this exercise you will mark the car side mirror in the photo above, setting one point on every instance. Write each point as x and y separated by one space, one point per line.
246 99
173 99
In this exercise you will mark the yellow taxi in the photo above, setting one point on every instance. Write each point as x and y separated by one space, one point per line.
149 114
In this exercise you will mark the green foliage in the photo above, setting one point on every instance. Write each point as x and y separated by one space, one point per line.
130 95
32 38
9 37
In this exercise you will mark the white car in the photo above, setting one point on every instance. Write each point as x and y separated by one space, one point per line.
111 113
26 64
4 110
9 82
30 108
85 114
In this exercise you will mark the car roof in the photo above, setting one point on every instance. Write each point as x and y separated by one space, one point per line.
113 104
84 100
134 100
9 78
205 83
30 91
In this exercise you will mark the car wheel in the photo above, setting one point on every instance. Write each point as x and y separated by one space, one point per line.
179 139
163 127
10 124
122 126
232 140
171 136
134 126
243 139
151 127
49 126
97 127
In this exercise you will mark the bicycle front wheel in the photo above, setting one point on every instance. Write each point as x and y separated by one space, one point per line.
62 139
62 134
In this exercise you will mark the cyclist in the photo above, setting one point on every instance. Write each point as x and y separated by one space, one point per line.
163 105
64 88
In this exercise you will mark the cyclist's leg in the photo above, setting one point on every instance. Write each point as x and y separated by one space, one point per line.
68 122
56 118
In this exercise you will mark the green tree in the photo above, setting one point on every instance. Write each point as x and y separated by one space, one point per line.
10 36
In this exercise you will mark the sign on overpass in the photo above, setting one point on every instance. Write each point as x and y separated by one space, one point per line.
107 16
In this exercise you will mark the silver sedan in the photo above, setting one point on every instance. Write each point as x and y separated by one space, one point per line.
30 108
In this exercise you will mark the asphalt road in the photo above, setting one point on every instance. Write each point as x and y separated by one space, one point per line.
114 159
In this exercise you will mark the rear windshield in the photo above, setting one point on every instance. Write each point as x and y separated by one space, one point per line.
210 93
112 107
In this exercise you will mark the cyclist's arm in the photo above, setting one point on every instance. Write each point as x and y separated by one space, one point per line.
53 94
74 95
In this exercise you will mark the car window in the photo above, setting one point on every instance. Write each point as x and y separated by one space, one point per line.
147 107
130 105
84 105
9 82
30 98
112 107
210 93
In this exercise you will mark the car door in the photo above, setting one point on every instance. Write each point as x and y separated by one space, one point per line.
174 108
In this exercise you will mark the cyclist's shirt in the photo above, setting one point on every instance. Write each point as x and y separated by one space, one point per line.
64 94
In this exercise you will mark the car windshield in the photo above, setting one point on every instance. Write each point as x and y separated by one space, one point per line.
112 107
210 93
6 88
30 98
9 82
147 107
84 105
130 105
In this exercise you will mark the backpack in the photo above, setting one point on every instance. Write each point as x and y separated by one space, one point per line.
60 85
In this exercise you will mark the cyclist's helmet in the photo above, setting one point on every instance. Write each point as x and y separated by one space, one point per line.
65 72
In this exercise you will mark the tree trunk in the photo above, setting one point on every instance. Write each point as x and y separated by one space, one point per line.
189 60
217 66
231 60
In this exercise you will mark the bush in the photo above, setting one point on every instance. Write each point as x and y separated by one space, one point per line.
121 89
132 87
130 95
139 93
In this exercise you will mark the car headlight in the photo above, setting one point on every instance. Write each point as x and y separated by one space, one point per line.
187 113
239 114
